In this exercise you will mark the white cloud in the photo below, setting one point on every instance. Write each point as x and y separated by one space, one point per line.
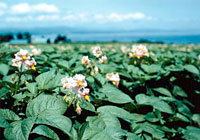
102 18
3 7
43 7
47 17
19 19
69 17
130 16
24 8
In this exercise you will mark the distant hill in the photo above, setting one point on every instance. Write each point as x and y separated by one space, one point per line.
66 30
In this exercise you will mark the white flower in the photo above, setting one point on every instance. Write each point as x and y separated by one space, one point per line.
97 51
16 63
139 51
30 64
36 51
67 82
114 78
83 92
85 60
123 49
79 82
22 55
130 55
103 59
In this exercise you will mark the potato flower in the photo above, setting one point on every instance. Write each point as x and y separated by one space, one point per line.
22 56
83 92
85 60
103 59
124 49
67 82
16 63
77 84
114 78
97 51
30 64
139 51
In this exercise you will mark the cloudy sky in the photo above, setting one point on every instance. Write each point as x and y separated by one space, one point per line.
102 14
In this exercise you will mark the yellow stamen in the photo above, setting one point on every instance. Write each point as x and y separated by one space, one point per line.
114 83
87 98
24 57
98 52
83 62
104 62
138 57
33 67
134 53
80 83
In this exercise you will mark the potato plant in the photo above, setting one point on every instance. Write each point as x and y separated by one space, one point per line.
100 92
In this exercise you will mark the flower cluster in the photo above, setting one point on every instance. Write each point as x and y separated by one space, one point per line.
35 51
114 78
22 57
138 51
77 84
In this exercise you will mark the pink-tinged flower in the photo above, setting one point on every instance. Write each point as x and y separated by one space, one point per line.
16 63
79 81
114 78
139 51
67 82
124 49
30 64
36 51
130 55
103 59
22 55
85 60
83 93
97 51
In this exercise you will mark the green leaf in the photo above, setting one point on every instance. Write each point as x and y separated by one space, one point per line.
3 91
192 69
154 68
45 131
4 123
118 112
192 133
104 120
179 91
132 136
156 133
163 91
87 105
106 134
46 103
32 87
151 117
48 80
114 95
55 120
155 102
9 115
4 69
20 130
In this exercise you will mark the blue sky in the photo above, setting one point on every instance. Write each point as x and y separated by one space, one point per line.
102 14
